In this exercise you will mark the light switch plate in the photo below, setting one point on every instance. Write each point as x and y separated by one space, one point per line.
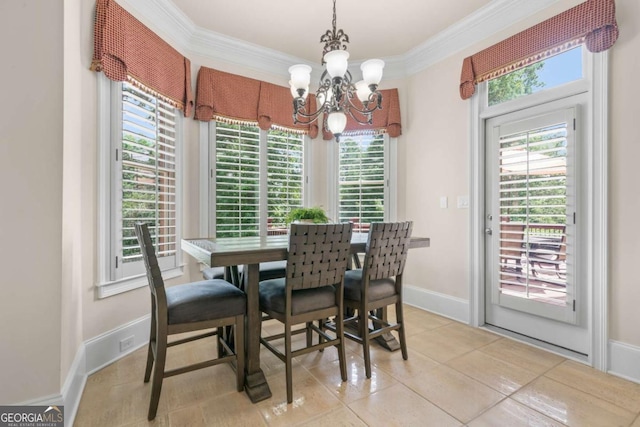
444 202
463 202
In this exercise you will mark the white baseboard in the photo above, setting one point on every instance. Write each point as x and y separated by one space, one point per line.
104 349
624 361
93 355
444 305
74 385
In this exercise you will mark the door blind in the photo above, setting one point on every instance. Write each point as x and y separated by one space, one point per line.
148 154
533 211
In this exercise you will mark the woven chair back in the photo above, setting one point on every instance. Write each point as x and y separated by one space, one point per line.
387 248
318 254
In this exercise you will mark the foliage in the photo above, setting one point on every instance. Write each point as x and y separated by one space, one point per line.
515 84
316 214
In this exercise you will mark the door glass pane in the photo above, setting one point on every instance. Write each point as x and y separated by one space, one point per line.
533 212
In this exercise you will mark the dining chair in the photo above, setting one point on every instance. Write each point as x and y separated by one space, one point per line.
311 290
369 290
207 305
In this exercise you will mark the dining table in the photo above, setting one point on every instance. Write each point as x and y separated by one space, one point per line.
250 252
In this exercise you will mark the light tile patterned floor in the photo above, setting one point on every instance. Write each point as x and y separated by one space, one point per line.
456 375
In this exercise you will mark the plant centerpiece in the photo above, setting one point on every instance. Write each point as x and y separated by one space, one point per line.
309 215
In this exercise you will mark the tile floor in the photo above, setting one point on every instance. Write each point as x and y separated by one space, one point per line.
456 375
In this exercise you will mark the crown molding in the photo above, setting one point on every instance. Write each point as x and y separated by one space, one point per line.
483 23
168 21
165 19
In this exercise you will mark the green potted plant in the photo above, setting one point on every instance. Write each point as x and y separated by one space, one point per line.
310 215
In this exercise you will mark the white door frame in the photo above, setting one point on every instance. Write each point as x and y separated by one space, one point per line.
597 183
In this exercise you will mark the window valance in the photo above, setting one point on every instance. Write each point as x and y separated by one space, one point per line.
237 99
592 23
226 96
385 120
125 49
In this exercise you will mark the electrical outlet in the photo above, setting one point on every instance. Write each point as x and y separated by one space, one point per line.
126 344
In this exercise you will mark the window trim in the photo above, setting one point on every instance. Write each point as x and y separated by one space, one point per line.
109 104
595 81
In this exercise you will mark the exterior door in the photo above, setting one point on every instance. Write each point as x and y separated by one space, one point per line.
531 185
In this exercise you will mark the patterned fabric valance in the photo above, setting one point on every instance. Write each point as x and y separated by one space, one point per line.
124 48
227 97
592 23
237 99
386 120
275 108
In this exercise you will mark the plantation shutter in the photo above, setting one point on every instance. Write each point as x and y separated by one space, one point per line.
237 174
148 168
284 176
361 180
534 203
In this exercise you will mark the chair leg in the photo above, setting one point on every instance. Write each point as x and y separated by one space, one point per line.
288 362
320 339
401 334
147 371
339 321
364 330
158 374
152 341
309 335
221 336
239 349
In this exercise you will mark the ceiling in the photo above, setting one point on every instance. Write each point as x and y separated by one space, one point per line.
376 28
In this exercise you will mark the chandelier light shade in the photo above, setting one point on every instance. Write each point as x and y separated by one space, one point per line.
336 91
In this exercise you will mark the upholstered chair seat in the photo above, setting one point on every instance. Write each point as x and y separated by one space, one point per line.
205 300
273 297
378 289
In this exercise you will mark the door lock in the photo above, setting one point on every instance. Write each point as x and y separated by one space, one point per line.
488 231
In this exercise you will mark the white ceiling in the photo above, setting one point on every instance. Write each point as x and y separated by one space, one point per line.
376 28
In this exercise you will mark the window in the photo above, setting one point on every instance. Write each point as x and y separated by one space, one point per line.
284 176
237 181
140 181
258 179
361 182
552 72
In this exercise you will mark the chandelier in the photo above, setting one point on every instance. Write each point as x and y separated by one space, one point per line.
336 92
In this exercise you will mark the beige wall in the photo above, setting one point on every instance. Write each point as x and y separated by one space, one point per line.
48 305
624 197
31 192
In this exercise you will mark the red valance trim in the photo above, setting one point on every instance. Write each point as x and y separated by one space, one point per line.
592 23
125 48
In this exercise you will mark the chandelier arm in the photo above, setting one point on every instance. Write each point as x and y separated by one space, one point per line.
362 122
305 119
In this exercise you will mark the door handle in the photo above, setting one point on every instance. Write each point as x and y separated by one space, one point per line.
488 231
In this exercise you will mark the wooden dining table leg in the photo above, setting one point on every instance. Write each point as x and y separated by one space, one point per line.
255 382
